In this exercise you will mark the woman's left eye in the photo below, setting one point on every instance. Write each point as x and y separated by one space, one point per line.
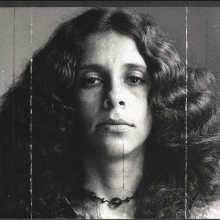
135 80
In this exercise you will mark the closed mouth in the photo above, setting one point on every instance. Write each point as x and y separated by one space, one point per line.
119 125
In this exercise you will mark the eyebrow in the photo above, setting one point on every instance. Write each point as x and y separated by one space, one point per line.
136 66
96 67
127 66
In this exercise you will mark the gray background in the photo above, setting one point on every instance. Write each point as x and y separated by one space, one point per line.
203 33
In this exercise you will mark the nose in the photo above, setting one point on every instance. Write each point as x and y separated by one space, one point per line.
114 97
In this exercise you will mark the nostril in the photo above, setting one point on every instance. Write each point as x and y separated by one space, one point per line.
108 102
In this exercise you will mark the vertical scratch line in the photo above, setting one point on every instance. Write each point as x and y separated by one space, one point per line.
206 45
13 116
31 93
123 172
186 117
14 50
206 49
123 165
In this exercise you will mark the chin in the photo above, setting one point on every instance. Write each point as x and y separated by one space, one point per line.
112 145
118 148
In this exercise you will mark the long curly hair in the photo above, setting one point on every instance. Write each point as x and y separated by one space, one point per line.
182 149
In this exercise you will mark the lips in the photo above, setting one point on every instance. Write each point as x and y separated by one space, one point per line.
119 125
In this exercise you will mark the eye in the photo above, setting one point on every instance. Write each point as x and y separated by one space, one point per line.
90 81
135 80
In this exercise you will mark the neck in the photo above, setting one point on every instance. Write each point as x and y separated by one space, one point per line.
110 178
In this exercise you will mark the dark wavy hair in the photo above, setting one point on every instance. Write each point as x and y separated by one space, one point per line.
182 150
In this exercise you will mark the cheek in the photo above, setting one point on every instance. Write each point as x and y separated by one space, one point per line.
87 104
139 104
142 112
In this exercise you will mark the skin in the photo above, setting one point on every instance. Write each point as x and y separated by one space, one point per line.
112 85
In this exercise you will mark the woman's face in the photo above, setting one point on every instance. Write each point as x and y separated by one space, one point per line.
112 84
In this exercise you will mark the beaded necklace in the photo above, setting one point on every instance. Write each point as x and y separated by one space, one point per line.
114 203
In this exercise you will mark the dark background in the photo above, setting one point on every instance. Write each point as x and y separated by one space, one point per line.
199 26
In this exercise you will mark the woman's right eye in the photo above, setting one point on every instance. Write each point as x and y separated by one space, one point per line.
91 81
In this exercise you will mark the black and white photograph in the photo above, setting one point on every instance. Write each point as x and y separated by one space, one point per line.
109 112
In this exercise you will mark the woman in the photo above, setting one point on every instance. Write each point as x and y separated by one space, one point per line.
117 130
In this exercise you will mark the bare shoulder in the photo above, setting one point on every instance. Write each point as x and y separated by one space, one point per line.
211 211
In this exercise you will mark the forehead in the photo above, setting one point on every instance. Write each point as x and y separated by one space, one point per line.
110 48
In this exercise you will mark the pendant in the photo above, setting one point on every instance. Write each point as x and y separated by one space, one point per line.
114 203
